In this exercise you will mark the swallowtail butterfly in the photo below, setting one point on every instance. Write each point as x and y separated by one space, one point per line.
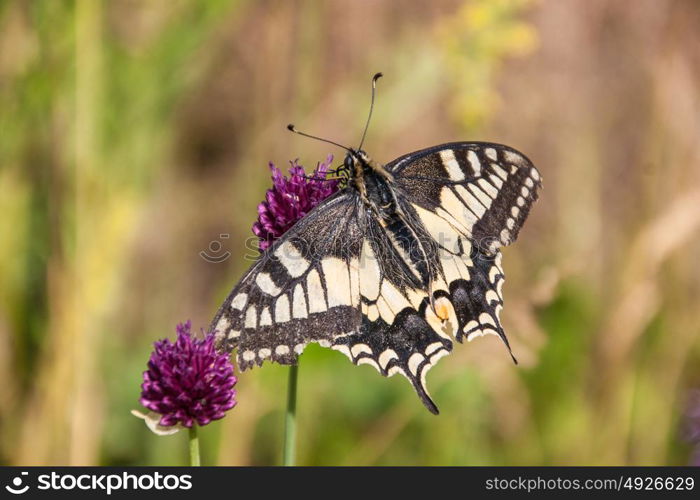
391 269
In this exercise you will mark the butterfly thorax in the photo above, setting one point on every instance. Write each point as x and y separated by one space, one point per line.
405 236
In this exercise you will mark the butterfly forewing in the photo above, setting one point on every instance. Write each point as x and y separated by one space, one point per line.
299 291
482 190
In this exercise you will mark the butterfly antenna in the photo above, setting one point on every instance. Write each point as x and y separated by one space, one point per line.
371 107
292 128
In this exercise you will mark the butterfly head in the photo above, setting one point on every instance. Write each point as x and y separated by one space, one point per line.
354 159
358 164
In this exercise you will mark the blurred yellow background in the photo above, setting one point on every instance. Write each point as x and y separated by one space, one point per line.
134 133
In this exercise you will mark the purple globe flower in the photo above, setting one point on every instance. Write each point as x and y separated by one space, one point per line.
692 425
290 199
188 382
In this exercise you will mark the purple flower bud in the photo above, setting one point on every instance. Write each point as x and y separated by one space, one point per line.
188 381
290 199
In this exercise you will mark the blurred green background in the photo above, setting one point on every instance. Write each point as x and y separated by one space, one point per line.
134 133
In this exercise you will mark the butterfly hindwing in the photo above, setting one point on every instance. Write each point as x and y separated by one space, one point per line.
398 333
404 332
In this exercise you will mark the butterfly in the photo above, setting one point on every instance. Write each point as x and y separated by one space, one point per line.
393 268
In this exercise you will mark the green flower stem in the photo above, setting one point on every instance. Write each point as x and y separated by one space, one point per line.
290 419
194 446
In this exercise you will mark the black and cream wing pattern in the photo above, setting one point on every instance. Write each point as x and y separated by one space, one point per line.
393 291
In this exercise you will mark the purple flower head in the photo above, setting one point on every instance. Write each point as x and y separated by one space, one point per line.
290 199
692 424
188 381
